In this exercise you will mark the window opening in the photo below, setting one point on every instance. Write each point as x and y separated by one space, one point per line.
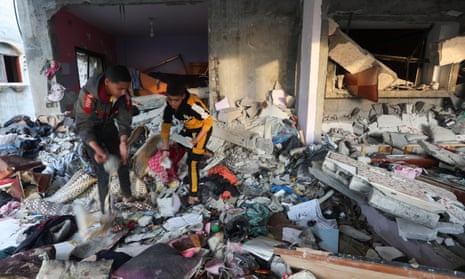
10 68
402 50
89 63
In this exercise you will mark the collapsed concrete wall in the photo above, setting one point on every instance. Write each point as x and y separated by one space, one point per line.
353 58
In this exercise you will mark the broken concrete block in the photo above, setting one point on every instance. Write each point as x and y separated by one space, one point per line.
228 115
423 252
372 254
441 134
377 109
275 111
354 233
443 155
403 210
358 128
451 50
449 242
343 148
335 183
244 138
388 253
450 228
411 230
395 139
345 125
388 122
360 185
414 200
354 59
416 120
401 140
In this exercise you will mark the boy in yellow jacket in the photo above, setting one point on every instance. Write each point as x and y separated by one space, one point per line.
197 124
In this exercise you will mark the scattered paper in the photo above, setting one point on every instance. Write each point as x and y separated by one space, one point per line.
222 104
261 247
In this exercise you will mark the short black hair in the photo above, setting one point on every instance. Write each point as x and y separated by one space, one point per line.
117 73
176 89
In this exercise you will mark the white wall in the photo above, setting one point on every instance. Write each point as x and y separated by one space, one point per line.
14 103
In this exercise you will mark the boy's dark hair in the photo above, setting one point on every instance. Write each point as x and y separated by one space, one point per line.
175 89
118 73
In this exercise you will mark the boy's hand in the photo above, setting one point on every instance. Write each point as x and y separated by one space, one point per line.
100 156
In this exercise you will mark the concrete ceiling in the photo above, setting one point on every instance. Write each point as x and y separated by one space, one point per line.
183 18
191 17
392 14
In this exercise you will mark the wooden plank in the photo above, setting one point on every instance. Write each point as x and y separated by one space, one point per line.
327 266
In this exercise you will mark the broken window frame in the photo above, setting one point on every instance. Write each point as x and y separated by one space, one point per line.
88 63
407 59
438 79
10 68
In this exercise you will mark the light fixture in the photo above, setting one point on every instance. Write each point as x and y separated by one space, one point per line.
151 31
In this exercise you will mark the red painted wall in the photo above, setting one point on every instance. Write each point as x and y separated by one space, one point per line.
69 32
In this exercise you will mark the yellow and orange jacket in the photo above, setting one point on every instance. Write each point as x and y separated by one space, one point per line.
192 112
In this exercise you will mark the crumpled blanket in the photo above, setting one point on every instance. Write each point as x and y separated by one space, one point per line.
26 263
166 175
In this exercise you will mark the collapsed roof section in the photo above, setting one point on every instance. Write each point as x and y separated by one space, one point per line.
353 58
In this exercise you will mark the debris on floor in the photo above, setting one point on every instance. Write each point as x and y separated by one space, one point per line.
378 197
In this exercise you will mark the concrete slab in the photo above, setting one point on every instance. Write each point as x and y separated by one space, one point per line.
398 195
228 115
443 155
354 59
244 138
424 253
411 230
403 210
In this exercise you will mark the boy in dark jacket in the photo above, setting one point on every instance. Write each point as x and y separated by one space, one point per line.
197 125
103 101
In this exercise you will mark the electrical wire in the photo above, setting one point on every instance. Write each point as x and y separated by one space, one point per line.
17 19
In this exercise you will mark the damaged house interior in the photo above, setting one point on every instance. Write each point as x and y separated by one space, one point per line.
337 149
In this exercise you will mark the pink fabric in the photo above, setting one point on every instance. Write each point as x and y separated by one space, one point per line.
167 175
54 67
10 206
408 172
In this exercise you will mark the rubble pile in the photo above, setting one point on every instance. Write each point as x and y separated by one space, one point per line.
380 188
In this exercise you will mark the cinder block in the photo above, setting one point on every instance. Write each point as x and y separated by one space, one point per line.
228 115
410 230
